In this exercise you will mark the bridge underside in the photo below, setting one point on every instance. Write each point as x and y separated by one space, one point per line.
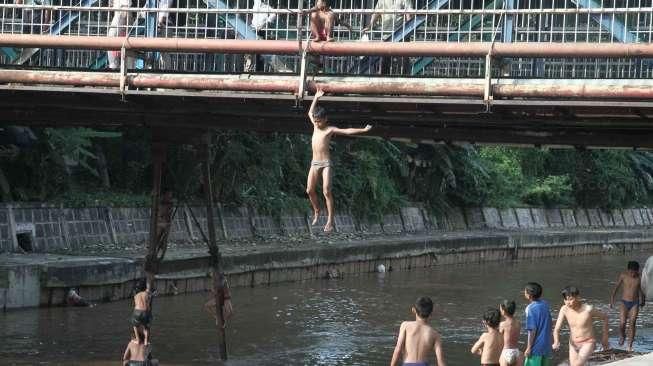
564 123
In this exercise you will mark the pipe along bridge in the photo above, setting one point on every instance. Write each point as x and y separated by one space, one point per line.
492 109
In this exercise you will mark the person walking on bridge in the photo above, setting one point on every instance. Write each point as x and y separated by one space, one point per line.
389 22
321 164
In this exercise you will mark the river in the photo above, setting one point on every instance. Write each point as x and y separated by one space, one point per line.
348 321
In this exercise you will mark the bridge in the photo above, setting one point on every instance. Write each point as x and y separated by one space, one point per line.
573 74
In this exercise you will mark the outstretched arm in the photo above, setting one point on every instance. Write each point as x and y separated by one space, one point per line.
318 94
439 353
556 330
127 356
530 335
408 16
477 348
209 307
311 10
373 21
616 288
351 131
400 345
604 317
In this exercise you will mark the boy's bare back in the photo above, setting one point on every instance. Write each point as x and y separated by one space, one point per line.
492 345
142 301
510 328
137 351
420 341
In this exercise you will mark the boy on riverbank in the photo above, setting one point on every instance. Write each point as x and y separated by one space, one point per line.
538 327
579 316
632 298
490 343
142 315
321 165
417 338
510 328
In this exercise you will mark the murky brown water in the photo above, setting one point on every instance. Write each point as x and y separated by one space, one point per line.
351 321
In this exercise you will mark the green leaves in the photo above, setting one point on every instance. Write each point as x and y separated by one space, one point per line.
550 191
73 145
373 177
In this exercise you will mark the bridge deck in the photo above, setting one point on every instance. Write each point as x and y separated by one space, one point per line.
581 97
428 120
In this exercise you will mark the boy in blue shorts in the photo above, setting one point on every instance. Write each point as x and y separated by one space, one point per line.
538 327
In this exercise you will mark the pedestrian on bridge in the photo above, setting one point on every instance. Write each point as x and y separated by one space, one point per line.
390 22
119 27
36 21
259 20
321 165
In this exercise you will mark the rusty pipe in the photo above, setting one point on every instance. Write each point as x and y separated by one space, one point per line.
416 49
170 81
221 83
573 91
399 88
208 83
104 79
425 87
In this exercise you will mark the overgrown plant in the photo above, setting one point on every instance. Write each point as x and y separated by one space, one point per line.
373 177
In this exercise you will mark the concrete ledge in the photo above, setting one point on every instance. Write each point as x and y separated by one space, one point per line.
42 279
88 271
646 360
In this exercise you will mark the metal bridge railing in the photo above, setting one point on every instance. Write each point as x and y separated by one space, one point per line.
599 21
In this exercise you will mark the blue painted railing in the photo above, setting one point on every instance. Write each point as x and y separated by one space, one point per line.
472 23
399 35
610 23
57 28
10 53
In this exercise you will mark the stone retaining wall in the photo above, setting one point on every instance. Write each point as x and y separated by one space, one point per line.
54 228
111 279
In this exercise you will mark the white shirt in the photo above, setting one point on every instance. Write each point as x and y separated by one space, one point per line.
389 22
260 20
647 279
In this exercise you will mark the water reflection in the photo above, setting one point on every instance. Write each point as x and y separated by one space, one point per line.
350 321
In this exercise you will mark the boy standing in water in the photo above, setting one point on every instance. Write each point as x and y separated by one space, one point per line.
142 315
321 164
417 338
632 298
490 344
510 328
138 353
538 327
579 316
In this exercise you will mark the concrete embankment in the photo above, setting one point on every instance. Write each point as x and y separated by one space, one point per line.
43 279
646 360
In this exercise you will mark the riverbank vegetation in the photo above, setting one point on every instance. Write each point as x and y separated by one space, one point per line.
84 167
